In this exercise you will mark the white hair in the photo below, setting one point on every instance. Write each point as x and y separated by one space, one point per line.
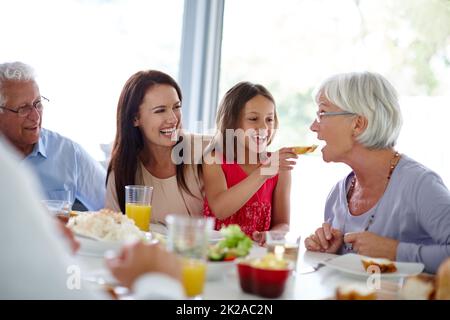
372 96
14 71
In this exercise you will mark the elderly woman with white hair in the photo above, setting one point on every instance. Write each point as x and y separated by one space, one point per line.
389 206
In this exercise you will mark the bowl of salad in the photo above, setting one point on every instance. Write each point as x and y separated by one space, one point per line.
222 255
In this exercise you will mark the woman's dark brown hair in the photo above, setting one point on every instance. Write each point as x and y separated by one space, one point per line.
129 141
231 106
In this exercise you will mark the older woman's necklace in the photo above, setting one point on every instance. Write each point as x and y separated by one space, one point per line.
394 161
393 164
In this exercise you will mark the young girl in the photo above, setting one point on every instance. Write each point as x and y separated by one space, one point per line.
245 186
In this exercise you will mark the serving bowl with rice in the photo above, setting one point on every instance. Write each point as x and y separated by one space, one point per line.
104 230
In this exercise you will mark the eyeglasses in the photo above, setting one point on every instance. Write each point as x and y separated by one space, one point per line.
25 110
320 115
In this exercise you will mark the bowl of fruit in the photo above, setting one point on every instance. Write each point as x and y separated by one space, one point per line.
222 255
266 276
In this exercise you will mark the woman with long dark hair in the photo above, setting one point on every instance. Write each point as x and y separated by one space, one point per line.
144 151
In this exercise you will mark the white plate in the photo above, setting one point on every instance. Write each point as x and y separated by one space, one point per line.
158 228
351 263
100 277
216 270
214 236
97 248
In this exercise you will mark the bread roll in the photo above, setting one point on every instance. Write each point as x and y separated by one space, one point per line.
303 150
419 287
385 265
443 281
355 291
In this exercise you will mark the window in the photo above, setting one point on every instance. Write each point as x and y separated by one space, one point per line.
84 51
290 46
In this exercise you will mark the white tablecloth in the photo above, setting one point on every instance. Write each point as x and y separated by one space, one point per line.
320 284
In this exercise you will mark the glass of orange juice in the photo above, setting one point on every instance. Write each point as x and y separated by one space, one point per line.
188 237
138 205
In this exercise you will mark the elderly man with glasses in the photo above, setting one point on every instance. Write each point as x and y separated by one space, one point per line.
60 163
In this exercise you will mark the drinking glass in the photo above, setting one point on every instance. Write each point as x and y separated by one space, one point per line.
188 237
59 203
138 205
284 244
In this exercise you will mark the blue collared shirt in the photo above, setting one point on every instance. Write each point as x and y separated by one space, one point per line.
62 164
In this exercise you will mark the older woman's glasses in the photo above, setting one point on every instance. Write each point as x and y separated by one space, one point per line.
25 110
320 115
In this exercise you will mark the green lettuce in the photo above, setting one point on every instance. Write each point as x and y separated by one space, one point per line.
235 244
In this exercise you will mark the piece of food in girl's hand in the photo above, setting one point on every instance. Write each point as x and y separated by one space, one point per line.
303 150
234 245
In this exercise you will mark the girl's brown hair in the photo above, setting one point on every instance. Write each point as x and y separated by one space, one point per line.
231 107
129 141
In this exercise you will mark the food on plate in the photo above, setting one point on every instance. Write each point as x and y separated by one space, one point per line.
234 244
74 213
303 150
159 238
104 225
443 281
385 265
428 287
355 291
64 218
270 261
419 287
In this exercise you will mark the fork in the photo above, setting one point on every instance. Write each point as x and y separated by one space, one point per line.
316 267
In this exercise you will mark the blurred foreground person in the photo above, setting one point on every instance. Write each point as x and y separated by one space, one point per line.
36 261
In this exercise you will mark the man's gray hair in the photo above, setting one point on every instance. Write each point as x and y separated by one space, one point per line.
14 71
372 96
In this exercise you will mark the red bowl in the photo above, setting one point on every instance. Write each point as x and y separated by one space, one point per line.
245 276
268 283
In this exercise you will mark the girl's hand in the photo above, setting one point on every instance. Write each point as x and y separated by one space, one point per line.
325 239
259 237
278 161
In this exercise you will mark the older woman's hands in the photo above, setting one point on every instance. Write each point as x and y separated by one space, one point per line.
370 244
325 239
139 258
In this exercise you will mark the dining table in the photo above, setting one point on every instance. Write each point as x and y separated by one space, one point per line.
312 279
